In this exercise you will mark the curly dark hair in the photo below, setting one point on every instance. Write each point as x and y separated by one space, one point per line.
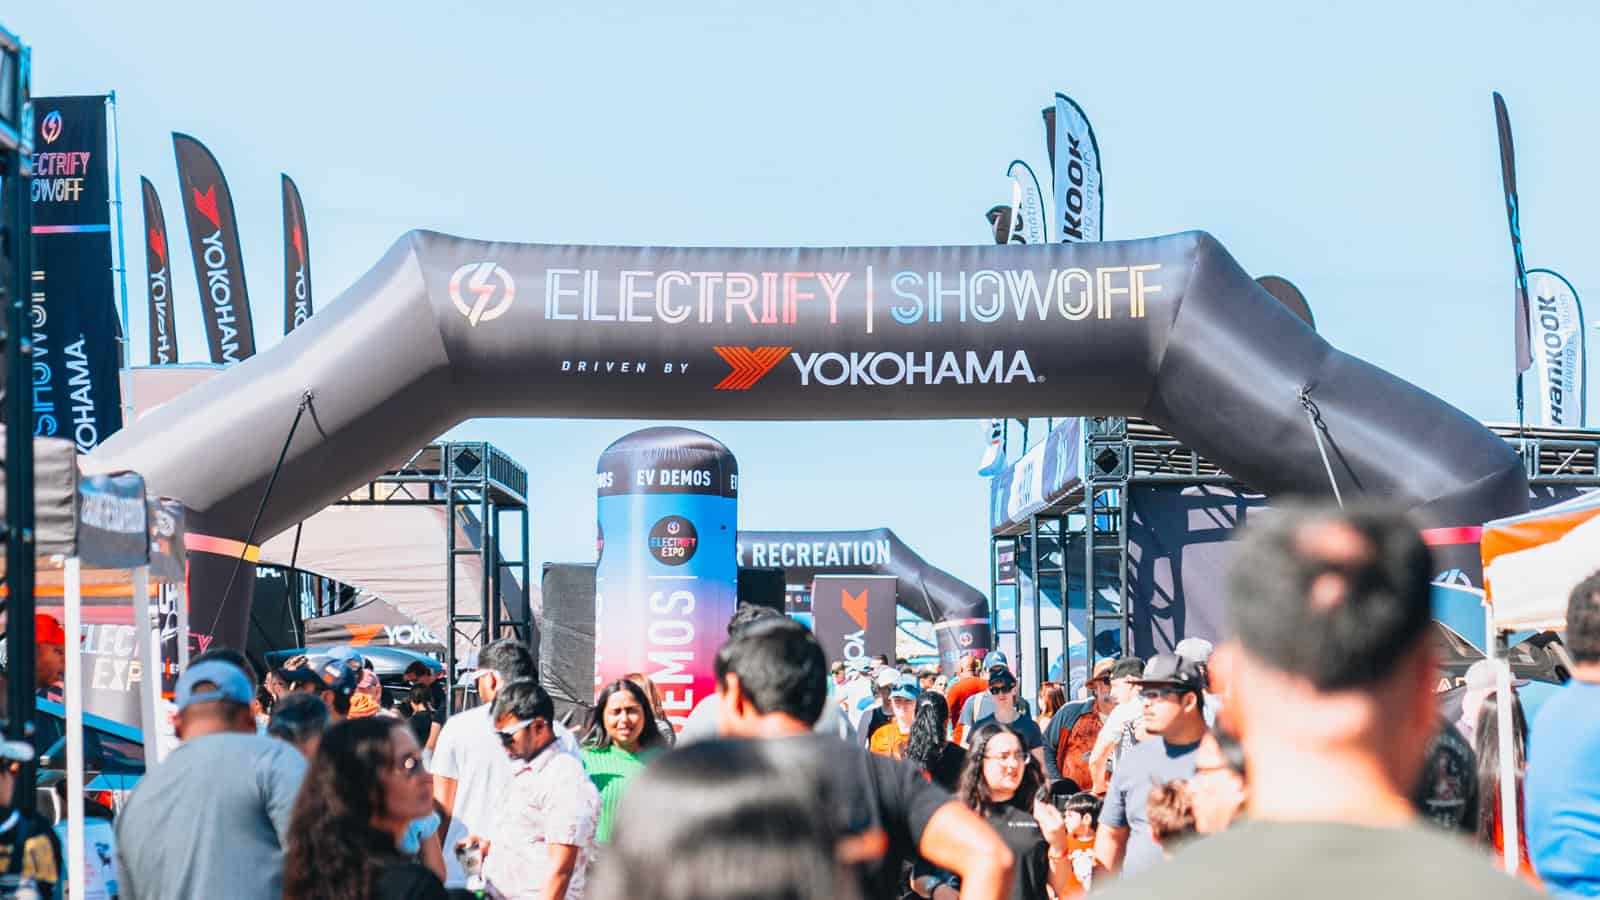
334 851
926 742
596 736
973 791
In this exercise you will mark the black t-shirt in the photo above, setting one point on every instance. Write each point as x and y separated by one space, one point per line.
946 770
1447 791
41 856
1031 874
1025 727
867 793
421 726
437 692
401 879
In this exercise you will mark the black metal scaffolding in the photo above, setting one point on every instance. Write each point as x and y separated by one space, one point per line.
482 490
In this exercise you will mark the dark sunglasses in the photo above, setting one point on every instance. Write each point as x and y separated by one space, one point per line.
1156 693
1002 688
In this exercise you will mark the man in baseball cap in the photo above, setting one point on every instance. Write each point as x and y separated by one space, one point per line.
881 712
218 805
49 651
1070 736
1172 689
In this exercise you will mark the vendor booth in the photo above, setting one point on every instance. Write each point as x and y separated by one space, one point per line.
1531 563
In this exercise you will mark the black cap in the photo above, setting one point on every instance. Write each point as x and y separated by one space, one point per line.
1171 670
1002 678
1128 667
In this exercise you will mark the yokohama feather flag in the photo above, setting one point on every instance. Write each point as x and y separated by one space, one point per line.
1561 355
296 259
158 280
1508 178
214 243
1079 193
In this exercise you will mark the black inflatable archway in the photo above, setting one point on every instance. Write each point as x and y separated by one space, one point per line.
444 329
959 612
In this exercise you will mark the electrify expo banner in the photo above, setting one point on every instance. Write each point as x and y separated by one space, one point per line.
1560 354
158 278
214 243
76 329
296 259
1075 164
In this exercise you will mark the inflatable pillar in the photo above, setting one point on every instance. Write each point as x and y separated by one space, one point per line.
667 578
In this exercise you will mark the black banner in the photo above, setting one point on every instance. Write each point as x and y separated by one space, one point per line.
1508 178
76 329
214 242
163 326
296 259
113 521
1293 299
853 615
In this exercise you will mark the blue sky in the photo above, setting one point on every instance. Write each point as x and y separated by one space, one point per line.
1349 147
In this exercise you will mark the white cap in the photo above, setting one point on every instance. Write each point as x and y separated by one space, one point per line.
886 677
1195 648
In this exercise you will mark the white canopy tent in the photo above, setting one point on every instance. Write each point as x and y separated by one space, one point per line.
1531 563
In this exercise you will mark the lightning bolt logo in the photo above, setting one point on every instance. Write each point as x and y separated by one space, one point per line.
158 244
474 286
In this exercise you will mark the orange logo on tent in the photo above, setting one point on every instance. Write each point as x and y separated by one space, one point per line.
855 606
363 634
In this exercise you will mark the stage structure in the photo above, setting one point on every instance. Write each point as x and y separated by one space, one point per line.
471 481
1105 530
1169 328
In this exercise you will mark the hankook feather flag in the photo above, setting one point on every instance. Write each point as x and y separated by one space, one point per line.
296 259
1078 191
1508 178
1561 365
158 280
214 243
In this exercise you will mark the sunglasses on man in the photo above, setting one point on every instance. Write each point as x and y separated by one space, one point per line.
509 733
998 689
1156 693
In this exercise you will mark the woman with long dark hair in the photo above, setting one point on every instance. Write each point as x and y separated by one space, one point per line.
929 748
363 789
1490 826
723 820
622 735
1000 781
663 725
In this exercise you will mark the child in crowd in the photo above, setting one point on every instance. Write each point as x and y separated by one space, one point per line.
1171 813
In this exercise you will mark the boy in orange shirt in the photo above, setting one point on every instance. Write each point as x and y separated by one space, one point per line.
890 739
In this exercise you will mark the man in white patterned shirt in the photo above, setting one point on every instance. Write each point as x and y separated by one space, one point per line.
544 830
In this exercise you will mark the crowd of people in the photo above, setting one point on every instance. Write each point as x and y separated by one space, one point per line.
1309 753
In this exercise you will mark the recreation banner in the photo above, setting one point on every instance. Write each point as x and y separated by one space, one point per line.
77 332
296 259
1075 165
853 615
1508 179
163 325
1562 362
214 243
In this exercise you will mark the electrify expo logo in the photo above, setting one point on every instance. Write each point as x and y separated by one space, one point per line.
50 128
482 291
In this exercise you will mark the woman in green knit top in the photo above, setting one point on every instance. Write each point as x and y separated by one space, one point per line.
621 737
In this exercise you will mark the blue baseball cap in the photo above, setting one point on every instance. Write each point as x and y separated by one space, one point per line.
906 688
224 680
996 660
347 655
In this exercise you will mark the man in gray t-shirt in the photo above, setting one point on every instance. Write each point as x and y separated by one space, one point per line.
1171 690
211 820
